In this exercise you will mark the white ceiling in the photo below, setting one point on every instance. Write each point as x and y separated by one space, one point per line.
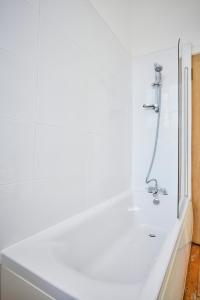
145 26
117 14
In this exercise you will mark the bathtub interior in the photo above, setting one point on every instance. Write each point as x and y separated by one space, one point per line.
105 245
119 262
108 246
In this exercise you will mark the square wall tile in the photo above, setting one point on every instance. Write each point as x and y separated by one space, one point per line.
19 27
62 90
17 86
60 152
16 151
108 165
87 29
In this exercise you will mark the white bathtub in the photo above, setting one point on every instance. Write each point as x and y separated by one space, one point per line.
105 253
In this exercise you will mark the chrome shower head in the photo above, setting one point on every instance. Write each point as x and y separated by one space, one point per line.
157 67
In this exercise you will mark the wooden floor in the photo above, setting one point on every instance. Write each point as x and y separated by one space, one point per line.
192 288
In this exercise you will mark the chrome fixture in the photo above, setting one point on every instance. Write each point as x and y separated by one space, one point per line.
152 106
155 190
156 84
152 235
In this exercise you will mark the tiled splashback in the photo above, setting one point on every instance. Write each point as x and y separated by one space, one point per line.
65 114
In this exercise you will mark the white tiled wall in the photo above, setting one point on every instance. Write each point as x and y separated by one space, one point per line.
65 113
144 126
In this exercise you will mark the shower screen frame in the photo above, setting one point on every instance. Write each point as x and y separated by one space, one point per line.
184 125
179 193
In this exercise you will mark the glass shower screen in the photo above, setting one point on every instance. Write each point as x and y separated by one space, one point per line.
183 81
